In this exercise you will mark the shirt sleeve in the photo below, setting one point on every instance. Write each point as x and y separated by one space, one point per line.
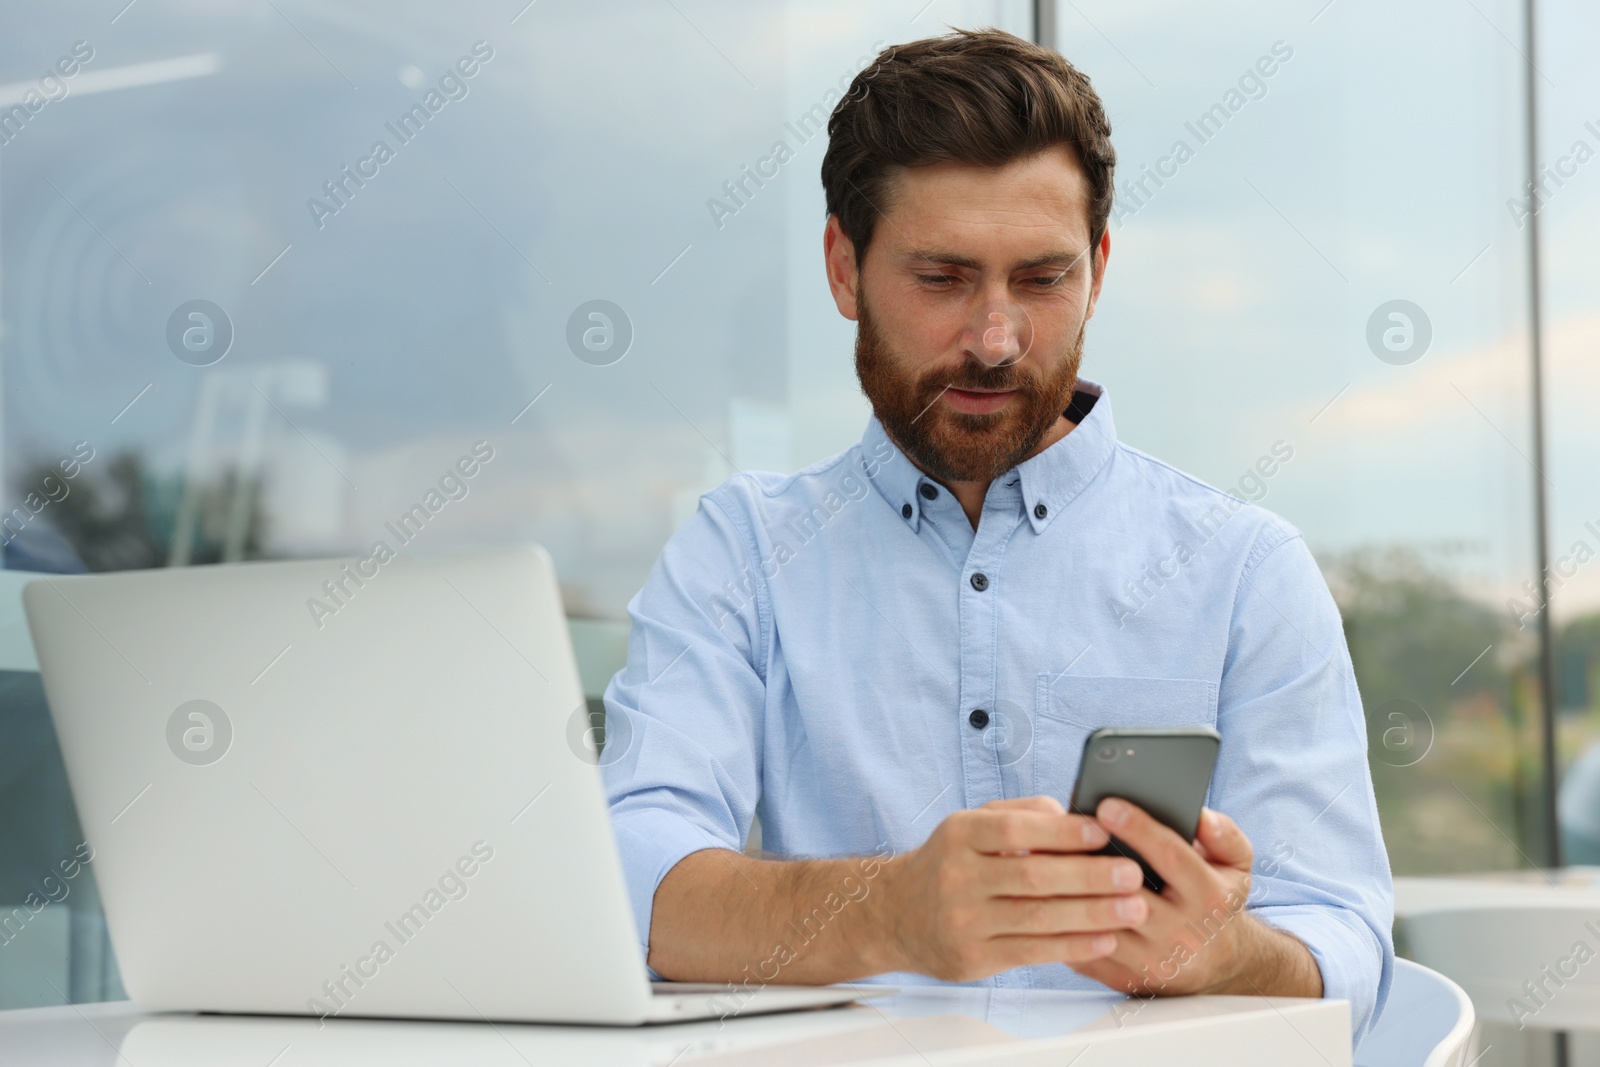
681 762
1292 772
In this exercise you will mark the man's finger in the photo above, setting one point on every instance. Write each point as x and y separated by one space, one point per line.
1064 915
1110 970
1020 950
1173 858
1224 842
1033 831
1044 804
1046 875
1048 805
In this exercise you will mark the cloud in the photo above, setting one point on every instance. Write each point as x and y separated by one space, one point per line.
1493 376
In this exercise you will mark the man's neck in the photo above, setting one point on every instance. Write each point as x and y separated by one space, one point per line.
970 494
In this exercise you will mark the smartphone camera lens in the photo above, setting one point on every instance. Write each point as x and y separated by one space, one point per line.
1106 753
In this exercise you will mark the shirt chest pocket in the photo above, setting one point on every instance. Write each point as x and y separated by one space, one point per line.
1068 709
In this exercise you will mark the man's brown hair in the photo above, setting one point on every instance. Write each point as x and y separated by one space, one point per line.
982 97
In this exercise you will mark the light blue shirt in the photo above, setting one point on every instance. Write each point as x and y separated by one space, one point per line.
811 647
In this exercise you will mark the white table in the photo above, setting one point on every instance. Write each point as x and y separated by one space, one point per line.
1567 884
1495 932
916 1028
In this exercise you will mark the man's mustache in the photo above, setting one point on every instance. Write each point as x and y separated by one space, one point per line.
977 375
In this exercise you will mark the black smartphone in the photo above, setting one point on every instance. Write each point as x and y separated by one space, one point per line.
1164 771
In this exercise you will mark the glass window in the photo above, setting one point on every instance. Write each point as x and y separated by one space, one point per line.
1311 258
268 270
1568 209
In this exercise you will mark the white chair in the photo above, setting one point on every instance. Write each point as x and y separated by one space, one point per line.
1426 1022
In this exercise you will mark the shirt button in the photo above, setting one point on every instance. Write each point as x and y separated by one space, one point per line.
928 491
979 719
905 511
980 581
1040 511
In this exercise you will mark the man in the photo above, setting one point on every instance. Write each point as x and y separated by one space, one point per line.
894 656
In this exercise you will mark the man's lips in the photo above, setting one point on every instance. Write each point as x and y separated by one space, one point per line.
978 401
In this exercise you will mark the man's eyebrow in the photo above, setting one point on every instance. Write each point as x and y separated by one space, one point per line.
1061 256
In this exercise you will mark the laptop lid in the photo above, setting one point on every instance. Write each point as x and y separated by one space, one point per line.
341 787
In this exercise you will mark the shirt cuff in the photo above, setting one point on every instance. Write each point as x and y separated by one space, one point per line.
1354 966
650 842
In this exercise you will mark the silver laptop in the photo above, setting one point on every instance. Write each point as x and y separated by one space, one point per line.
352 788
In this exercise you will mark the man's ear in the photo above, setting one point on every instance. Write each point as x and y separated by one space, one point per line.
1102 253
844 275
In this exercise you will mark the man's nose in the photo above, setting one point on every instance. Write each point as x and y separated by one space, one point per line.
1000 332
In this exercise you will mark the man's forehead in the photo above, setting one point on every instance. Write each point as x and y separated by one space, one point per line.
1029 206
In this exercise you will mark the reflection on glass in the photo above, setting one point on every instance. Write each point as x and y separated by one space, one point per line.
267 271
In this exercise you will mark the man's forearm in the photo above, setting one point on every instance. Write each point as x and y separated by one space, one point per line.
724 916
1274 964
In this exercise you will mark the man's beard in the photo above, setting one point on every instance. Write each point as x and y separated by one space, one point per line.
952 445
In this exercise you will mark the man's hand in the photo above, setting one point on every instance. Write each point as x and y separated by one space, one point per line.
1197 937
1006 885
996 887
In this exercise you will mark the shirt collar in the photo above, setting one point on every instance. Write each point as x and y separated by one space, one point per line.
1050 480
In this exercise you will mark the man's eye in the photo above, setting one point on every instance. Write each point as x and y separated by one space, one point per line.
937 279
1049 281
